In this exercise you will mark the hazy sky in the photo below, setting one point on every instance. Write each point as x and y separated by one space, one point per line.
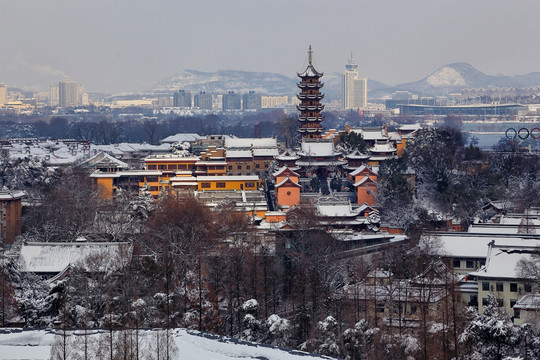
129 45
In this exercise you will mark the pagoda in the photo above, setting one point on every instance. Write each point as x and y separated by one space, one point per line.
310 96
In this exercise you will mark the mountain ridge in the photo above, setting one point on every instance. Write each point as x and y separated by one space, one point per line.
447 78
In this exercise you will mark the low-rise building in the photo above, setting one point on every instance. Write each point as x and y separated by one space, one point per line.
10 216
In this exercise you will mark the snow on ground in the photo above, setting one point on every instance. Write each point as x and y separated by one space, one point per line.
36 345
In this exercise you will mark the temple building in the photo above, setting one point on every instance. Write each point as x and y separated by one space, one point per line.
310 97
316 157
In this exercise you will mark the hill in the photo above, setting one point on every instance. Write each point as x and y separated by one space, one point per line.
458 76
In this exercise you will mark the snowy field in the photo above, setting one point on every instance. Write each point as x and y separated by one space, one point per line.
37 344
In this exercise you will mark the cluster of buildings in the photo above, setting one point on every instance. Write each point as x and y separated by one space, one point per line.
268 182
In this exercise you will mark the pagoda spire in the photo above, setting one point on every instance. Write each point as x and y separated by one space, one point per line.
310 55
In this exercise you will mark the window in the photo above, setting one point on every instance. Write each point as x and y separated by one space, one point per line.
250 185
527 288
457 263
413 309
513 302
500 302
220 185
517 313
173 167
470 264
499 286
485 286
205 185
484 301
151 178
230 167
513 287
162 167
248 167
257 166
239 167
152 167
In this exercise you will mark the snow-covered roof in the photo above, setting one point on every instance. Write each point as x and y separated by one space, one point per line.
337 210
246 143
473 245
501 264
288 155
371 134
320 163
382 147
366 179
410 127
285 181
55 257
104 160
310 71
517 220
265 152
356 154
231 154
318 148
360 169
11 195
496 228
211 162
182 137
283 169
528 302
171 157
183 179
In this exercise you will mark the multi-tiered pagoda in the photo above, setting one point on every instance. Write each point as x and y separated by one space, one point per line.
310 106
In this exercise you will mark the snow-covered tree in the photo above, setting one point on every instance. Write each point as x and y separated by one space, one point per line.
396 346
492 334
279 331
358 341
326 341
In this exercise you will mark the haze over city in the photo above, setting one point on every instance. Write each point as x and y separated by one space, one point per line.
131 45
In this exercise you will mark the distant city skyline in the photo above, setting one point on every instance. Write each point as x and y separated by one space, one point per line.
132 45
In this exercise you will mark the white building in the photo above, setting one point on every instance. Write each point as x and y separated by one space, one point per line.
353 88
3 94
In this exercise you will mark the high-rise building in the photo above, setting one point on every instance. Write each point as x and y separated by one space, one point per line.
68 93
353 88
203 101
3 94
251 101
310 101
231 101
53 95
182 98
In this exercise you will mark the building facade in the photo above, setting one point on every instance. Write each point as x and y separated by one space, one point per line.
68 93
3 94
353 88
182 98
10 216
203 100
251 101
231 101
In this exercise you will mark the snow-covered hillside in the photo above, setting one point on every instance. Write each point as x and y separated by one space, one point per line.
37 344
